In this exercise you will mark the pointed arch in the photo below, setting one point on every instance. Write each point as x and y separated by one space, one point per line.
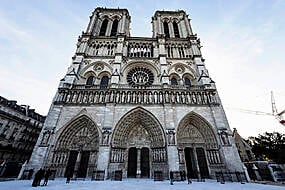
136 119
90 80
103 28
166 29
81 132
176 30
193 128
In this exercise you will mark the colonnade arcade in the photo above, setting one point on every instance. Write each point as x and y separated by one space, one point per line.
76 151
138 146
198 149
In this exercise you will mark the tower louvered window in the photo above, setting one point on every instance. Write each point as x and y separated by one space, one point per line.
166 29
103 28
176 30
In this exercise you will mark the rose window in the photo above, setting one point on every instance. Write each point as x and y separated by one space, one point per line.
139 77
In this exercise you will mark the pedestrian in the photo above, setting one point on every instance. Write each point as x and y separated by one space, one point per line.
183 175
30 174
189 178
37 178
41 176
171 177
46 176
68 176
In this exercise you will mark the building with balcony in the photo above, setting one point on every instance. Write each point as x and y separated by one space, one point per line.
136 106
20 127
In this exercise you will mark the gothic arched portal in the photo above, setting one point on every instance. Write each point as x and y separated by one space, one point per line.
138 145
75 151
198 147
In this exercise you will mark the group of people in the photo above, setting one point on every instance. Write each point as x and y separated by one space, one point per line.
182 177
41 174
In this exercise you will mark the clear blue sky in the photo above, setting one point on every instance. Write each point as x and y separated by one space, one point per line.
243 44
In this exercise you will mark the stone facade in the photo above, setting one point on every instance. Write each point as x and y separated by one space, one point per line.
20 127
142 106
244 149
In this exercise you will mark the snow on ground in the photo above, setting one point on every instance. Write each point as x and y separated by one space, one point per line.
134 184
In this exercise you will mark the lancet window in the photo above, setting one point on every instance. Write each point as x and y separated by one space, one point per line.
176 30
103 28
90 80
104 82
166 29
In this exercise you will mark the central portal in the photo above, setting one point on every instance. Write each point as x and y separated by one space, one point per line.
138 163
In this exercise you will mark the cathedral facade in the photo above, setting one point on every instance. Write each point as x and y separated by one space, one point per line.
138 105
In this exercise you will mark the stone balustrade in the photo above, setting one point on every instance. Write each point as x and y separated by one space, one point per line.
124 94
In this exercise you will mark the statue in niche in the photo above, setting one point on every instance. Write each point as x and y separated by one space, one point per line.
105 137
225 138
171 137
45 138
180 155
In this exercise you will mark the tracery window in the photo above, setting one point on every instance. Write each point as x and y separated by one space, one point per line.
114 27
176 30
90 80
173 81
139 77
103 28
187 82
104 82
166 29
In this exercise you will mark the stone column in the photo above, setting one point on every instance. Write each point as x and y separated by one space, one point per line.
91 23
188 27
77 164
196 162
171 30
123 25
138 163
159 24
109 27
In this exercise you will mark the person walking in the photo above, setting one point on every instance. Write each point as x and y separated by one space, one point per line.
171 177
46 176
189 178
68 176
37 178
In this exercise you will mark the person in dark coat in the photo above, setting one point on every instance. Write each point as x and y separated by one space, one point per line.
68 177
171 177
41 176
37 178
31 171
189 178
46 176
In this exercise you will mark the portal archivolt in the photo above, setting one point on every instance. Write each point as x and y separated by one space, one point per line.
138 145
75 152
197 146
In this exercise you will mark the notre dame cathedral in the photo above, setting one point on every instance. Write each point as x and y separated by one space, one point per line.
142 106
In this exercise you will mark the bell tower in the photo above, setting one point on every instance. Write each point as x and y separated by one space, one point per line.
109 22
171 24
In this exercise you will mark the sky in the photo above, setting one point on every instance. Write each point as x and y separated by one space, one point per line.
138 184
243 45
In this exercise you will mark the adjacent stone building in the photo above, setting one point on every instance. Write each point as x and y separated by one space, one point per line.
20 127
142 106
244 149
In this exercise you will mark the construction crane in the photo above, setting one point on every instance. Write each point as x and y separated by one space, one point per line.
278 116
